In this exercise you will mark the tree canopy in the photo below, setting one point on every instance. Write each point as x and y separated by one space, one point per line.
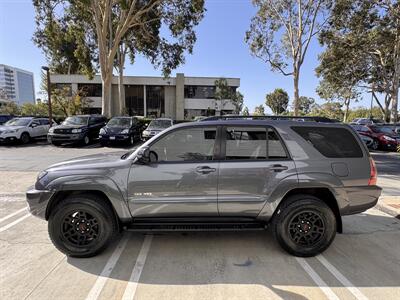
278 101
281 31
103 25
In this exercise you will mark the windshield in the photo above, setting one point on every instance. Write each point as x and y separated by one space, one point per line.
76 121
18 122
160 124
388 130
120 122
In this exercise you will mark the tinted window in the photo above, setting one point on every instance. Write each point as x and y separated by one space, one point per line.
199 92
275 147
90 89
192 144
251 143
246 143
331 142
44 121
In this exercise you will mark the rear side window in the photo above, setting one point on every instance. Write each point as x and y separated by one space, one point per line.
245 143
331 142
44 121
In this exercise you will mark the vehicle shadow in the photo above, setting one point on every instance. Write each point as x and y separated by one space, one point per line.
254 258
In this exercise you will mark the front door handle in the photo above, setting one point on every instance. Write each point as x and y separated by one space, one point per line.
278 168
205 170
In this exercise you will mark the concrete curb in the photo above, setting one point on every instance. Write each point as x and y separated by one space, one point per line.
382 206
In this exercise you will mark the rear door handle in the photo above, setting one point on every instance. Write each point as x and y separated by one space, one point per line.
205 170
278 168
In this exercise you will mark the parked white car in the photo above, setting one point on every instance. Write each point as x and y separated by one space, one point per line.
24 129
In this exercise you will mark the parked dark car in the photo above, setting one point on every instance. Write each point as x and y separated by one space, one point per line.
5 118
384 137
298 178
77 129
121 129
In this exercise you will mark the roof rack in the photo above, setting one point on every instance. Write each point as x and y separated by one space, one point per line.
275 118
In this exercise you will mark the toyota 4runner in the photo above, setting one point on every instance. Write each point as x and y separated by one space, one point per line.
299 178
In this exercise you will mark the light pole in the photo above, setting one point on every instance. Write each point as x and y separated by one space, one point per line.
49 94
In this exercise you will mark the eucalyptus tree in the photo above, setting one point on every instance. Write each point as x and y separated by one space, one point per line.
281 32
277 100
363 50
161 30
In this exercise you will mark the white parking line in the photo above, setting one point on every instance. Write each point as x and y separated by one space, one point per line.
12 215
14 222
104 275
343 280
131 287
318 280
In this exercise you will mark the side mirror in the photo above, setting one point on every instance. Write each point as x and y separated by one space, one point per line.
145 156
33 125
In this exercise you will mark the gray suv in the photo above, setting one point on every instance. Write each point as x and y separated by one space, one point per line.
298 178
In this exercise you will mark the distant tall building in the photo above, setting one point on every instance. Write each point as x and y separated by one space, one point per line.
16 85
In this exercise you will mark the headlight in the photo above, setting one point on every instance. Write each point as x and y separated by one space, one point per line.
146 132
51 130
76 130
125 131
388 138
102 131
11 131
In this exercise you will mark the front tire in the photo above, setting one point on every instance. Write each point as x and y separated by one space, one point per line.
25 138
82 226
304 226
86 140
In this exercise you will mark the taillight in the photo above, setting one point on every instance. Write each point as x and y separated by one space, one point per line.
374 174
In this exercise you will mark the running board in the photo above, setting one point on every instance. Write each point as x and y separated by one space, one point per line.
169 226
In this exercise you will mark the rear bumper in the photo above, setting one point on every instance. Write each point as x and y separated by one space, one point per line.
37 201
361 198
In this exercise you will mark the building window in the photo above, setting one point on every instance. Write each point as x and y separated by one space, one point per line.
155 101
199 92
90 89
134 99
193 113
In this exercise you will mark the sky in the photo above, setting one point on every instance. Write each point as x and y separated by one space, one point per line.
220 51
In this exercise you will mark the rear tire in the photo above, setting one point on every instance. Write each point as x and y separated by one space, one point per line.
375 145
82 226
304 225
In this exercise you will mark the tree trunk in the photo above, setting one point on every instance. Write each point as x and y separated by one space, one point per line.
296 92
396 75
387 107
121 92
106 92
346 112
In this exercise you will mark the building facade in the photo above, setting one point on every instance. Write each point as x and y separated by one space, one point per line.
16 85
177 97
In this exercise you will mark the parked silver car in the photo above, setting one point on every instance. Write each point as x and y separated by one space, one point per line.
155 127
297 177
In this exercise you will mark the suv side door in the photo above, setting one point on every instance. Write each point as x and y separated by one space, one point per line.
44 126
35 128
182 180
254 160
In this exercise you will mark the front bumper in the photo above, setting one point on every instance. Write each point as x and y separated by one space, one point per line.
8 139
361 198
38 201
114 138
65 138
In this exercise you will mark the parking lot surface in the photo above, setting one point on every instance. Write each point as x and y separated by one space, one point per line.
362 263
